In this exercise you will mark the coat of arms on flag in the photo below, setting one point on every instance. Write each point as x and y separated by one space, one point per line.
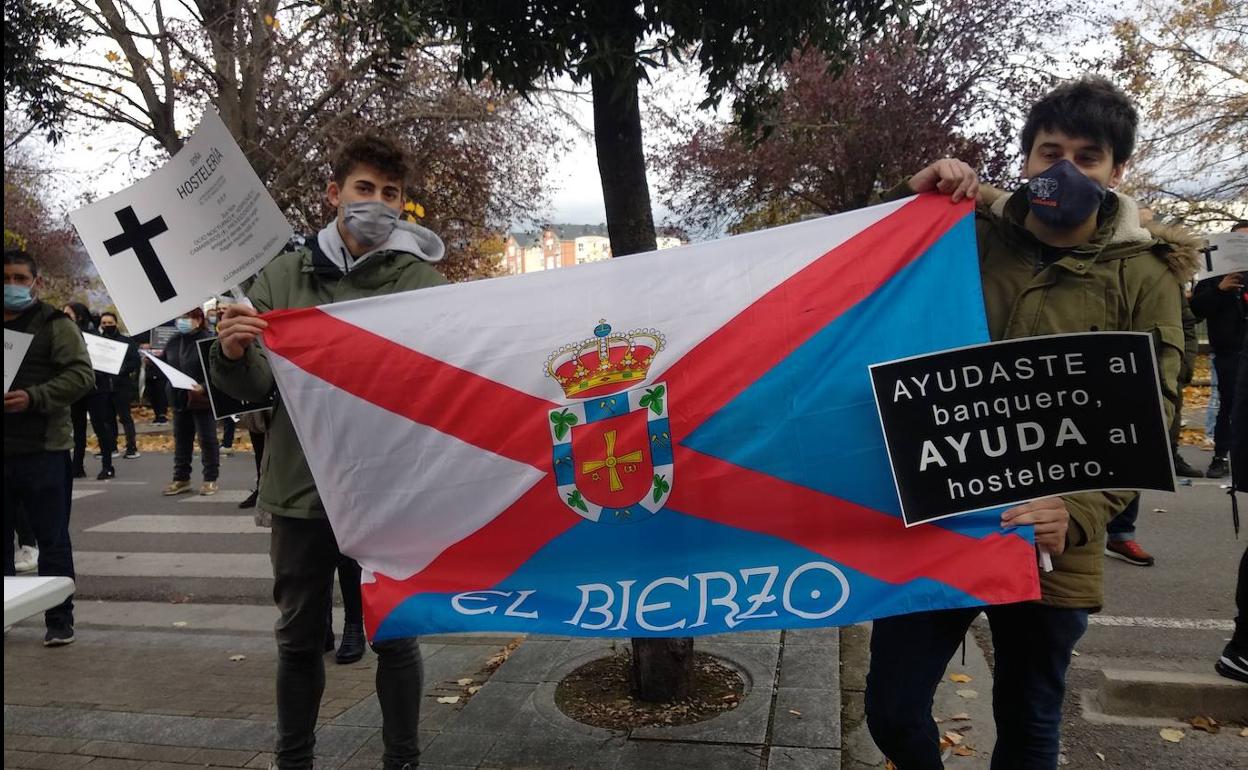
612 447
516 469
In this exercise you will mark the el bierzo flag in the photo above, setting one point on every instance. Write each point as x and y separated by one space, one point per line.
671 443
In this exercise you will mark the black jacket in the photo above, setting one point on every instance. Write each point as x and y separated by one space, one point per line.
1223 313
182 354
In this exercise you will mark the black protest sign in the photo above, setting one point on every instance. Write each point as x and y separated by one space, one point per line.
1003 423
223 404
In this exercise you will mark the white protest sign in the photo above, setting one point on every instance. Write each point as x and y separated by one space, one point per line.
177 378
199 225
1229 255
15 346
106 355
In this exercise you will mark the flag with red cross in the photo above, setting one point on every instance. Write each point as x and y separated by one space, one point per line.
675 443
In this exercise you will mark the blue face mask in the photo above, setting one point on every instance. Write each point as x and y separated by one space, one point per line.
185 326
16 297
1062 197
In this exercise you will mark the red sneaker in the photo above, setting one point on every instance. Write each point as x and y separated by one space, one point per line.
1129 551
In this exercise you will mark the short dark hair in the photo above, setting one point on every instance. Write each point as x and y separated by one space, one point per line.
20 257
1240 225
108 313
1091 108
381 152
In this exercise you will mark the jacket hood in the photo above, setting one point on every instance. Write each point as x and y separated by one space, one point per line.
407 238
1177 246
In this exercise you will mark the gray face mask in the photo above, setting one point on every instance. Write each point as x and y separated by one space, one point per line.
369 222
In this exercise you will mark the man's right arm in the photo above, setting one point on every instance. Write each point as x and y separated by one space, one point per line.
74 376
243 370
1210 293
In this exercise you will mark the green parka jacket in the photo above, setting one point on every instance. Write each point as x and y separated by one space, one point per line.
56 372
1124 279
294 279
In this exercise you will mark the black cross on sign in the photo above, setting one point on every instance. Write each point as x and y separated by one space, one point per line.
139 237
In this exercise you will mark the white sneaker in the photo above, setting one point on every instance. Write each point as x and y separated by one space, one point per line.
26 559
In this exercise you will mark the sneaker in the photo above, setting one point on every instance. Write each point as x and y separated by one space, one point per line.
1184 468
60 633
26 559
250 502
1233 664
352 647
160 421
227 451
208 488
132 454
80 473
177 488
1217 468
1128 551
106 474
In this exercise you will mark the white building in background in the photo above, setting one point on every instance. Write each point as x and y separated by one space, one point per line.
556 246
592 248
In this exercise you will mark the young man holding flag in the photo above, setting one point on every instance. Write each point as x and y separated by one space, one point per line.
1062 254
365 251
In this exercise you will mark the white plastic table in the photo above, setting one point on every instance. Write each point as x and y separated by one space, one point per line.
26 597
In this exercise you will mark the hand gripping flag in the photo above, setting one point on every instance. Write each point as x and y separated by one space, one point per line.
681 442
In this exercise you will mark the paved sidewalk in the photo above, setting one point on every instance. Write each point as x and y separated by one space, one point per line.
138 691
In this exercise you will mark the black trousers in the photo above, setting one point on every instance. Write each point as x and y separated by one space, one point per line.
186 424
1227 366
40 484
257 444
156 395
98 407
121 398
305 556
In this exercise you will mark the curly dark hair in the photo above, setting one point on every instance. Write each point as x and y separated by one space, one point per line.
1091 108
381 152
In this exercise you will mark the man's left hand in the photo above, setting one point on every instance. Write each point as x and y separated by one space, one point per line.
16 401
1049 517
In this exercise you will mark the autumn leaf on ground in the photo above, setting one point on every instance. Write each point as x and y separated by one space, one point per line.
952 738
962 717
959 678
1243 733
449 699
237 658
964 751
1100 756
795 712
968 694
464 682
1208 724
1172 735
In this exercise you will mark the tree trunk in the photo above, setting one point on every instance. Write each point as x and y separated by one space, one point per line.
662 668
622 162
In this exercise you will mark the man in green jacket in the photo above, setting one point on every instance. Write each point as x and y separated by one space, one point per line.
37 476
366 251
1062 254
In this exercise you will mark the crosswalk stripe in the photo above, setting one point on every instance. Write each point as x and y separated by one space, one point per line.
158 565
188 524
1191 624
78 494
223 496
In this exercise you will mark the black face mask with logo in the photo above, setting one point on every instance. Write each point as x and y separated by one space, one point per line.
1063 197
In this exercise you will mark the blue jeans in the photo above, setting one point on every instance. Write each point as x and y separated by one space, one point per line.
1122 526
1031 643
39 485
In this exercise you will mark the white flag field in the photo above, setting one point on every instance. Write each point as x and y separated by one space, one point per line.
634 447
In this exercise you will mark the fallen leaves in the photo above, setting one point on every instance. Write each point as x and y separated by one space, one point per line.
449 700
1100 756
795 713
959 678
1243 733
964 751
1206 724
968 694
179 624
1172 735
237 658
962 717
464 682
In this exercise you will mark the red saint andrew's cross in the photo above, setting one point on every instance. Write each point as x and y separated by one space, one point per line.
707 378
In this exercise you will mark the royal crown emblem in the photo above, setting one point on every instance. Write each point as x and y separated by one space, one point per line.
605 363
613 455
